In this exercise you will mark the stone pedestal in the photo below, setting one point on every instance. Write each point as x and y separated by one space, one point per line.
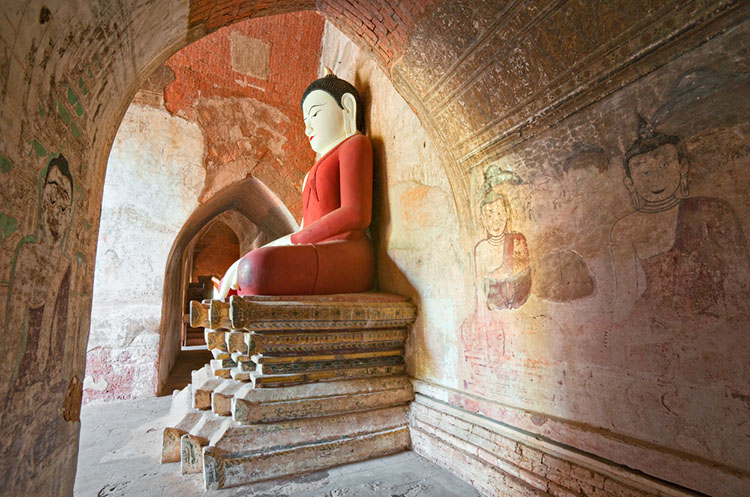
339 387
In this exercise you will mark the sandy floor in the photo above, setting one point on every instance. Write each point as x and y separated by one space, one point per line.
121 444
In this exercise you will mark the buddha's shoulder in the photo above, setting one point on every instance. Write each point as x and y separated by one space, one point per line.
708 204
357 141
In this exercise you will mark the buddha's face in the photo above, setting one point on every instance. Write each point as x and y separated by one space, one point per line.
656 174
494 217
57 203
324 121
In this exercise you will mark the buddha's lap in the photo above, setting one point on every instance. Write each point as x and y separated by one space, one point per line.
341 266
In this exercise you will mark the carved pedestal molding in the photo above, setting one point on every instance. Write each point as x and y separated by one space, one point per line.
340 394
502 450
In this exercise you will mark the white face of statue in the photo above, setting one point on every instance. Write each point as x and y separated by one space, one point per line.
656 174
324 121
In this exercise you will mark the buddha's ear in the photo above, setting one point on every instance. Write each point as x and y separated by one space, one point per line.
349 103
684 166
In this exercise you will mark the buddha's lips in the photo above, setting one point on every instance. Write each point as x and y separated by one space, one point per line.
656 192
312 137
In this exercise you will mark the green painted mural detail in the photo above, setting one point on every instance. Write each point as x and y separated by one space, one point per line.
37 149
75 101
72 97
80 257
82 85
42 112
87 225
8 226
74 129
5 164
64 114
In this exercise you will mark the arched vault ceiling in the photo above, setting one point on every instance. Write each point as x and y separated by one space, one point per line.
485 76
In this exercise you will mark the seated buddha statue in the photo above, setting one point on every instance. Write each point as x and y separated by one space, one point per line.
331 252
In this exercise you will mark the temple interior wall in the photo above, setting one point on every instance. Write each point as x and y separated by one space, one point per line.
567 341
156 160
415 226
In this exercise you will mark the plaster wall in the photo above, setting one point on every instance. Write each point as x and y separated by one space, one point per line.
594 324
415 227
156 161
514 84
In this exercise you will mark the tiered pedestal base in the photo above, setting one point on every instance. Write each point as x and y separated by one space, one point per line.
339 396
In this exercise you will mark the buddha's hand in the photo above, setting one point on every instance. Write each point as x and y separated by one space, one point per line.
228 282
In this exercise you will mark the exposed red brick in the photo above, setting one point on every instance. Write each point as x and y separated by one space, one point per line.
206 89
380 27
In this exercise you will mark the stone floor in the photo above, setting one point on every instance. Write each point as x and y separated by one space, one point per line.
121 443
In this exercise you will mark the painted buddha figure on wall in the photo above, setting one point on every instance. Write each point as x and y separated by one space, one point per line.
502 258
331 252
674 253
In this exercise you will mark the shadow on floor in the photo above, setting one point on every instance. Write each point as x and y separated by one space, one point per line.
187 362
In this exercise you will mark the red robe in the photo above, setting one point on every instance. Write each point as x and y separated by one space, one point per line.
331 254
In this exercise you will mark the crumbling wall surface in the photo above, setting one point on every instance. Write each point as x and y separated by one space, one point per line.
415 228
68 71
237 83
230 90
607 329
602 194
154 175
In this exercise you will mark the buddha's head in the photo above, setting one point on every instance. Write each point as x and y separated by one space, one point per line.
332 111
57 198
655 167
495 213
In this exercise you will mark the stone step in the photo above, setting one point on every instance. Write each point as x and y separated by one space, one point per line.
322 342
283 380
215 339
220 354
192 442
253 405
218 315
182 418
221 397
241 374
321 312
209 314
239 357
199 314
204 383
237 341
222 368
245 454
269 365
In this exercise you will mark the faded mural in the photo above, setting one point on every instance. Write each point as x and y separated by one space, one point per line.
503 276
611 262
673 251
41 363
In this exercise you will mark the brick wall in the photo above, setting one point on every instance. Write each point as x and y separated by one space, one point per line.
252 124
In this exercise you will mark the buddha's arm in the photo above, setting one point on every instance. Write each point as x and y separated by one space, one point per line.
355 183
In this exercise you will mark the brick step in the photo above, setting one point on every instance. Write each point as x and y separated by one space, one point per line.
249 453
269 365
204 383
264 405
284 380
182 417
192 442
